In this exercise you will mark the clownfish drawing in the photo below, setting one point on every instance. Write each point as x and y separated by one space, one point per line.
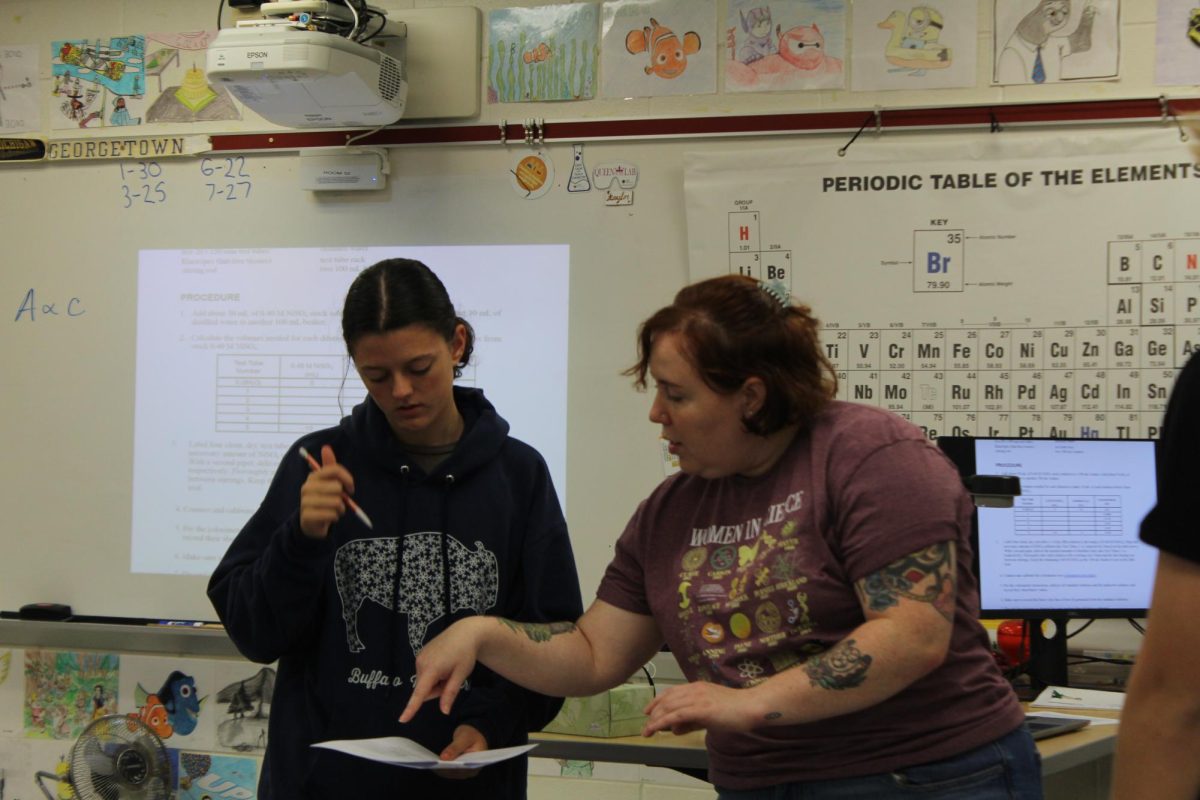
668 54
537 54
174 709
155 716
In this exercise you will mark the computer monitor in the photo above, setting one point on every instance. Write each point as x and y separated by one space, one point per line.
1068 548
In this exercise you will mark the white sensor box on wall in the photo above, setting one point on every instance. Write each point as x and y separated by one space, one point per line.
340 169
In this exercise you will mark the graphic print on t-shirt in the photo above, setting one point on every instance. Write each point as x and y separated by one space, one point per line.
742 595
365 569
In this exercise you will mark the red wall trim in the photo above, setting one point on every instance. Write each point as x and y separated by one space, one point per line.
1090 111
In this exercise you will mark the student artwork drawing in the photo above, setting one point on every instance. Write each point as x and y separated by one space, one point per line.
545 53
914 45
658 47
1177 43
247 702
18 97
202 775
98 83
913 42
1046 41
16 768
10 693
171 695
756 25
785 45
532 174
66 691
175 62
172 709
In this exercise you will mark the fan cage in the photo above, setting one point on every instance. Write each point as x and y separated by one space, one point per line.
120 757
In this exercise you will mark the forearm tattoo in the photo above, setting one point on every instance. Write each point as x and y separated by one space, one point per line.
539 631
926 576
842 666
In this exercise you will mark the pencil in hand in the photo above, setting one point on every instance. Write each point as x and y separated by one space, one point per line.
358 512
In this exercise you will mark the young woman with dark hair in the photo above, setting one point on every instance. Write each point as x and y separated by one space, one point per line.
464 520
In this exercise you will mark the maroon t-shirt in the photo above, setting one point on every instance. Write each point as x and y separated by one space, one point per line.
747 577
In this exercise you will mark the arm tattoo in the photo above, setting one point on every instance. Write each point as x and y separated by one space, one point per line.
539 631
842 666
926 576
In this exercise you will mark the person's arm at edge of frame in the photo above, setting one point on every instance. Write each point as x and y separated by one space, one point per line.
562 659
905 636
503 710
1159 734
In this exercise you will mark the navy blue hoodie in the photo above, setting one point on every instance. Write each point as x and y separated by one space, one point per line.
482 534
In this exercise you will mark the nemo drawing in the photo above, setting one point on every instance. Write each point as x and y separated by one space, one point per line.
537 54
668 54
154 714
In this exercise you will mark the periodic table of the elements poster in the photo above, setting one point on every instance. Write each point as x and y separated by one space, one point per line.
1106 377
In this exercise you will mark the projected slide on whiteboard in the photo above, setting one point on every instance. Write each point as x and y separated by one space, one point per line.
239 353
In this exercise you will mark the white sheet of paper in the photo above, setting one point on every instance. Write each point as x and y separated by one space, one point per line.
407 753
1064 697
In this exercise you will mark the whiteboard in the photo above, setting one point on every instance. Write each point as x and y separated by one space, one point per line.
70 335
67 412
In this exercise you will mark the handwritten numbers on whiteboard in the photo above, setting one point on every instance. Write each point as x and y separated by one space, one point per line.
142 183
229 179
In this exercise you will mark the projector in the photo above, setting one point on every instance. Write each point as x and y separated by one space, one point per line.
308 79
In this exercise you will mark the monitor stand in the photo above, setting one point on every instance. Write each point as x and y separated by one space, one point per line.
1047 654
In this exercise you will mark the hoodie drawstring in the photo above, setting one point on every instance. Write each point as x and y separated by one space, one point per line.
397 578
449 483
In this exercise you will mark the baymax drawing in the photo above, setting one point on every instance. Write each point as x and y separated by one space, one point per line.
804 48
801 52
807 41
1043 41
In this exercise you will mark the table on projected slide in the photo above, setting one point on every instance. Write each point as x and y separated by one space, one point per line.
278 393
1069 515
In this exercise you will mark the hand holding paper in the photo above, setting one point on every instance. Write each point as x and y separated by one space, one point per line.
406 753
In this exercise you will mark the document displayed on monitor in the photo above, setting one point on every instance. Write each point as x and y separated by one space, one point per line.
240 353
1070 541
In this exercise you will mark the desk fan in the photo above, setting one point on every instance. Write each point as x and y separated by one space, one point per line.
116 758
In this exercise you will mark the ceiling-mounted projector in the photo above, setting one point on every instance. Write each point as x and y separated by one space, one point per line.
308 79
